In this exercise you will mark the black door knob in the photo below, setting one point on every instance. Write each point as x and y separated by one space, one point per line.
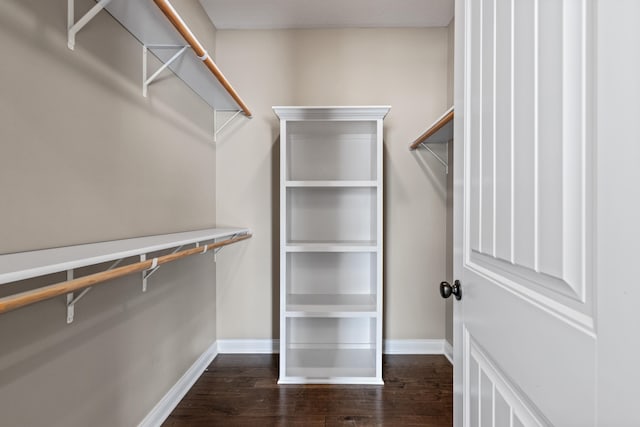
446 290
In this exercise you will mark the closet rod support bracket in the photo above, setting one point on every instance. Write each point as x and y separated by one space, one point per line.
73 27
438 158
154 267
72 299
70 302
217 250
146 79
145 274
217 129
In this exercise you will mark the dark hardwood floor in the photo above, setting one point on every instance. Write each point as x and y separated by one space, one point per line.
241 390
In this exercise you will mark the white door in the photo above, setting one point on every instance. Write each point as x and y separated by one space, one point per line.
546 216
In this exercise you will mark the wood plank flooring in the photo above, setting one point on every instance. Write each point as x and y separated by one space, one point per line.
241 390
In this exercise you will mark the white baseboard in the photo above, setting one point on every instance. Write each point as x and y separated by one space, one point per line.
169 401
269 346
264 346
413 347
448 351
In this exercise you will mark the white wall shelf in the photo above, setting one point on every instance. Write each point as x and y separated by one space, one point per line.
185 56
25 265
331 244
436 137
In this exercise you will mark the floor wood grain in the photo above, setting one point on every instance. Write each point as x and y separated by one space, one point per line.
242 390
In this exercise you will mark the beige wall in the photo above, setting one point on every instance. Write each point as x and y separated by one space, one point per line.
84 157
405 68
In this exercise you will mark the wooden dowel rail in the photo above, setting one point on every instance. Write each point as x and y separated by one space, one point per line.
22 299
173 16
432 130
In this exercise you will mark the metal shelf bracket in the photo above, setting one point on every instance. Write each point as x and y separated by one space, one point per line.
72 299
154 267
217 250
73 27
217 129
146 79
149 272
438 158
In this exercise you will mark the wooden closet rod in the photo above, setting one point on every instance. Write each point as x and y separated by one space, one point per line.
166 8
433 129
22 299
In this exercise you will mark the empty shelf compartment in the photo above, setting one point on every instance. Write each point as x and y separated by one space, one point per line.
325 365
336 150
331 214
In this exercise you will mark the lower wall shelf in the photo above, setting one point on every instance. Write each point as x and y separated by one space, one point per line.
25 265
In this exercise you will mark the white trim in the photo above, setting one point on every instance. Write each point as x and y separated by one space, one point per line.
269 346
448 351
263 346
414 347
170 400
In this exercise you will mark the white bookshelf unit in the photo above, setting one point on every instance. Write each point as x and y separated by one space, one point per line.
331 244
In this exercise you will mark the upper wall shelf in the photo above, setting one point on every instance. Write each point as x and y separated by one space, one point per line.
160 29
440 131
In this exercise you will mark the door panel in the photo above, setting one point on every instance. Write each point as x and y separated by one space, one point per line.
523 204
497 403
545 162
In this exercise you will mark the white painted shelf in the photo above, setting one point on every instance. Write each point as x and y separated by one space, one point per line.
331 305
25 265
189 60
331 184
146 23
346 246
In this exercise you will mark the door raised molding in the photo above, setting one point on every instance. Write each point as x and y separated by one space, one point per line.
491 398
529 110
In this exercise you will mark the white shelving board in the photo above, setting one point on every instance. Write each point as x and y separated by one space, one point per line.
26 265
331 244
328 183
346 305
145 21
344 246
